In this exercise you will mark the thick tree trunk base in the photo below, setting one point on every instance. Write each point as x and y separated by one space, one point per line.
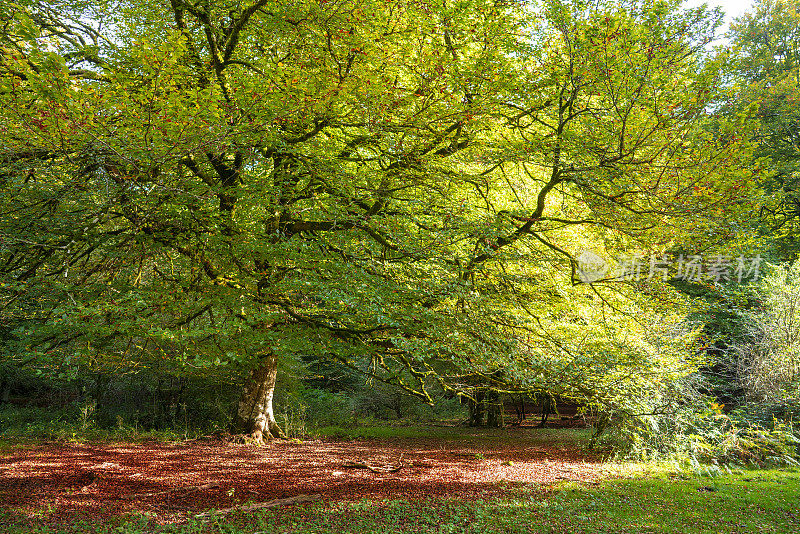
255 416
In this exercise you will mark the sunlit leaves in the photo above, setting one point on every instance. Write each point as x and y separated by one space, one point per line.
398 186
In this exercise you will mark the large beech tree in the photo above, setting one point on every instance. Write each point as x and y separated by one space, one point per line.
398 186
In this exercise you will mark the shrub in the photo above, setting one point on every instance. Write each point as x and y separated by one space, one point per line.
702 434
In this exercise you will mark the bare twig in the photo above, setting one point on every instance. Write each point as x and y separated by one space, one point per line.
385 468
210 485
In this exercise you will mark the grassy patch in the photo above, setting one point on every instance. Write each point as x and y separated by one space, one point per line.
567 437
742 501
748 501
745 501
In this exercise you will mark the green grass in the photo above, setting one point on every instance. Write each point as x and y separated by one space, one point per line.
533 436
742 501
745 501
26 424
32 424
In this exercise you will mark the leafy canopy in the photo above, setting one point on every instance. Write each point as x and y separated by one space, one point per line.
402 187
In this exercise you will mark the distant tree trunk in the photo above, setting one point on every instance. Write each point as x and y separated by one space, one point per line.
548 407
255 414
6 392
397 405
98 396
520 408
494 416
477 409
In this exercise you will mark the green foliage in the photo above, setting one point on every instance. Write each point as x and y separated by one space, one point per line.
720 439
29 425
701 434
129 405
765 413
754 370
767 358
766 73
399 188
328 408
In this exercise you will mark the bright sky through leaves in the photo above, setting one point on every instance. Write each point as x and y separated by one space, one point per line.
732 8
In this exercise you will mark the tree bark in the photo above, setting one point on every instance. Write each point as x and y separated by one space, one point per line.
477 409
548 407
520 408
494 410
255 414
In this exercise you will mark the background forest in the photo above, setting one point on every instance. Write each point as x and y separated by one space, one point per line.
268 217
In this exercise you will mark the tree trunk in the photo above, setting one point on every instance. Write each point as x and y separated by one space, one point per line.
255 415
548 407
494 410
520 408
477 409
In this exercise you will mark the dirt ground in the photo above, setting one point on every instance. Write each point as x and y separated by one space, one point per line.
175 481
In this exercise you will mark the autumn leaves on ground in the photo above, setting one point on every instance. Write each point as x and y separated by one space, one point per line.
54 483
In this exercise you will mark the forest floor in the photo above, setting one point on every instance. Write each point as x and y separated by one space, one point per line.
55 483
422 480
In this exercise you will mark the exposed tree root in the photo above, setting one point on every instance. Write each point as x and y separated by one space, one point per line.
255 438
384 468
183 489
258 506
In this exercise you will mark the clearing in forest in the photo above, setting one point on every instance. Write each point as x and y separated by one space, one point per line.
170 482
